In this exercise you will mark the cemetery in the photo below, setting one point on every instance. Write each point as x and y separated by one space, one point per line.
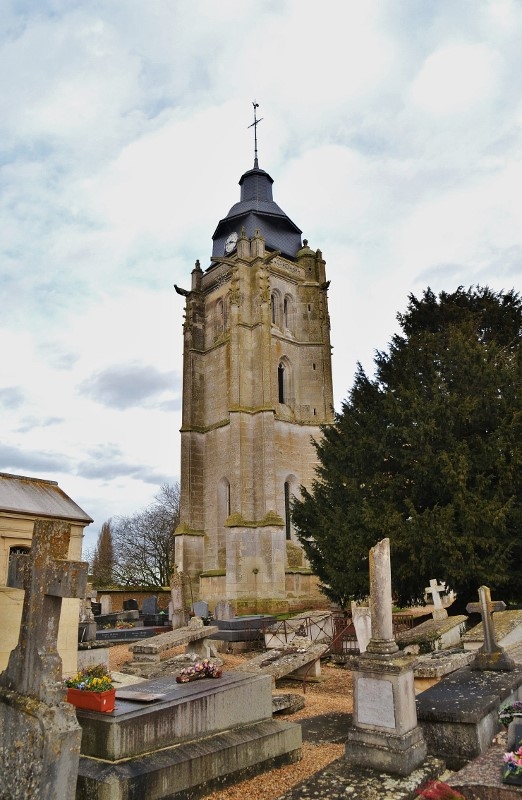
191 715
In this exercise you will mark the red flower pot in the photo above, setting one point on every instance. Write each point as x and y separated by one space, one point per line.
92 701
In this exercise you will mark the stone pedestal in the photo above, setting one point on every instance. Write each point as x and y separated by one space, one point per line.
385 735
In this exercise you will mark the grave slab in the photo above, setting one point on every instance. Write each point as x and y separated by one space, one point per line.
183 712
180 741
151 649
193 769
482 777
459 714
429 668
433 634
508 629
289 661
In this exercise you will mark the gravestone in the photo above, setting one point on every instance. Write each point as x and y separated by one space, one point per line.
130 605
32 695
439 612
200 609
177 605
224 610
490 656
362 622
87 624
149 606
385 734
106 604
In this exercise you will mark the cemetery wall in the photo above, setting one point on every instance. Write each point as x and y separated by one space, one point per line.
118 597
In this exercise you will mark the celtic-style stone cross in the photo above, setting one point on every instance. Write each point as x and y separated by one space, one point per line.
35 667
490 655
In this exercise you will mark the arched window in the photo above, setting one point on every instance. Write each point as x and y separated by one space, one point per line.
281 383
223 513
285 392
291 489
223 501
288 523
288 315
275 308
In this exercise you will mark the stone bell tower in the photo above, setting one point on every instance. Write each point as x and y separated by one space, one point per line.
257 385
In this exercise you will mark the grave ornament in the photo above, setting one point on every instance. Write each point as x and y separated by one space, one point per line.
439 612
490 656
385 734
32 696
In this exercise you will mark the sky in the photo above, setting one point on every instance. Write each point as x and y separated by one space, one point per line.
393 133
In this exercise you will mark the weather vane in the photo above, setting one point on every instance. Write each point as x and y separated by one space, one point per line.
254 126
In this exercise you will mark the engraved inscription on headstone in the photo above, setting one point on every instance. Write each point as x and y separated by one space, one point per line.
375 702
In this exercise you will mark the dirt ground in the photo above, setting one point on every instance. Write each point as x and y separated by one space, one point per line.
332 693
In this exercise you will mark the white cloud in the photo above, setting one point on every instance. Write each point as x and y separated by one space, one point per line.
392 133
456 78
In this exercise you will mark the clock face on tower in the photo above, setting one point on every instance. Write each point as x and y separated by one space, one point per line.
231 243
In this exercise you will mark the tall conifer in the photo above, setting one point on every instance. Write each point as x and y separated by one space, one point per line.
429 453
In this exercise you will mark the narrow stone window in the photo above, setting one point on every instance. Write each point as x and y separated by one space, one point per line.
281 382
288 525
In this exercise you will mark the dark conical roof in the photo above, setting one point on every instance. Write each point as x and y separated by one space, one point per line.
257 210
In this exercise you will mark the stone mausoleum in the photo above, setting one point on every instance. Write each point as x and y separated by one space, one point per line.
22 501
257 386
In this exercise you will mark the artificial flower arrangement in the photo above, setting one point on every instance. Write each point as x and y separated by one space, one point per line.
512 771
438 790
512 765
507 713
199 669
95 678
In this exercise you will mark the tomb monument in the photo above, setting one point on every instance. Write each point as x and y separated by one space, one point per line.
32 695
385 734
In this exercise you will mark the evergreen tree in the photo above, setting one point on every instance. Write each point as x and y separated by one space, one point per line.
103 559
428 453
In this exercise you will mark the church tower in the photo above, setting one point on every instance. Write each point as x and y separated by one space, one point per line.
257 385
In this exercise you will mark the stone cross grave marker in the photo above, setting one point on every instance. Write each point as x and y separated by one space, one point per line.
490 655
35 667
435 589
32 696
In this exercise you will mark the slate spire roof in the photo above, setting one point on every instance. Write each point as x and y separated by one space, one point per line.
256 210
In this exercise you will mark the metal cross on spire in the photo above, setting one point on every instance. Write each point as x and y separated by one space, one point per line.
254 126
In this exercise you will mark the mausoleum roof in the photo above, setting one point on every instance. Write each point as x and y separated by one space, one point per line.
256 210
35 496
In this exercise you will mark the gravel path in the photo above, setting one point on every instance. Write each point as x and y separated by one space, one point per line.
331 695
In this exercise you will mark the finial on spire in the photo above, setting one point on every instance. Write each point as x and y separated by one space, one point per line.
254 126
